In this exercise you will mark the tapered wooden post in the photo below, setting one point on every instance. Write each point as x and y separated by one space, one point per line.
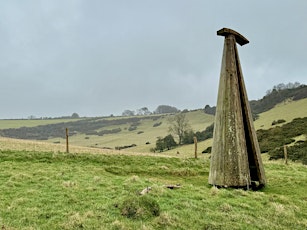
235 157
286 154
67 147
195 146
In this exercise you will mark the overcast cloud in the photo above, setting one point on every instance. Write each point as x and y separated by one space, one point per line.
101 57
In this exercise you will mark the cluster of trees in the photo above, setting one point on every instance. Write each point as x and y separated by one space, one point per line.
168 142
274 96
161 109
73 116
283 86
210 110
138 112
278 94
181 129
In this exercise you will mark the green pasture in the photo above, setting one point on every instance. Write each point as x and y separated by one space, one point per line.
17 123
47 190
287 110
198 121
146 133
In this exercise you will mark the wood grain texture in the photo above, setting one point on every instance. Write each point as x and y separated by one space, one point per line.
236 159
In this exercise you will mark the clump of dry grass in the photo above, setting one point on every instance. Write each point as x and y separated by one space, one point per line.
132 179
225 207
74 221
140 207
214 191
69 184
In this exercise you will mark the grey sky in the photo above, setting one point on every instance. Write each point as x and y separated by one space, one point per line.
99 57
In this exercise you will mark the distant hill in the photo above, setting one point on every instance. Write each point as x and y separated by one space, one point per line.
140 133
88 126
278 94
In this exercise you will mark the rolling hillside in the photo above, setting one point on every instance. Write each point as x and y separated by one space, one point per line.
145 131
42 187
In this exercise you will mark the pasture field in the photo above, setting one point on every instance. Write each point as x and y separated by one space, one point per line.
54 190
145 136
17 123
287 110
145 133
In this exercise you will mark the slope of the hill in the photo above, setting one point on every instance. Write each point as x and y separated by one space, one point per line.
17 123
277 96
286 111
140 132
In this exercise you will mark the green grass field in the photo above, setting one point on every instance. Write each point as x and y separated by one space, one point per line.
17 123
287 111
42 190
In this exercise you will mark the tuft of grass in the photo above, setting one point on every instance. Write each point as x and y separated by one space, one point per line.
140 207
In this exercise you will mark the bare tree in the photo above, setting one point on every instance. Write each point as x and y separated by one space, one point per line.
179 125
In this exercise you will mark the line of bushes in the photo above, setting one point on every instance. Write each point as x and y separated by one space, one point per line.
281 135
273 140
88 126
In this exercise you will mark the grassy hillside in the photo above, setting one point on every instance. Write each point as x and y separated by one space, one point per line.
287 110
90 188
145 131
72 191
17 123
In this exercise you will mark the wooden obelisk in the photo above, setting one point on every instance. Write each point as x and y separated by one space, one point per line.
235 157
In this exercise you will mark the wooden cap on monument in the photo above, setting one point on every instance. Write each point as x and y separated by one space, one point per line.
240 39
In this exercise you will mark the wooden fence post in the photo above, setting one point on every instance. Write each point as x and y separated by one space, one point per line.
286 154
195 145
67 148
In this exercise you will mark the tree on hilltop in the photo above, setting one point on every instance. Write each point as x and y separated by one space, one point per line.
143 111
128 113
75 116
166 109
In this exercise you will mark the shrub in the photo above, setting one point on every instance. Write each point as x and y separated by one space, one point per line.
207 150
281 135
124 147
188 137
112 131
167 142
297 152
132 127
157 124
278 121
140 207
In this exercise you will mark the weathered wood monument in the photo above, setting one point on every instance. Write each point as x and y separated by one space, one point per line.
235 157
